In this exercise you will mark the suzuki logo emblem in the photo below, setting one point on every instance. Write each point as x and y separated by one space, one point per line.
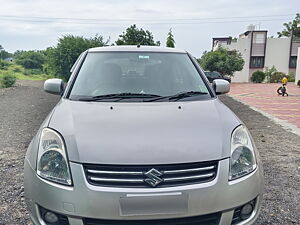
153 177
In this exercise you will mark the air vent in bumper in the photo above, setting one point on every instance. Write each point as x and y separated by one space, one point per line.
210 219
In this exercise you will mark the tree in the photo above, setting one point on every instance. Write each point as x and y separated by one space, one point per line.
290 27
60 59
30 59
223 61
135 36
170 40
4 54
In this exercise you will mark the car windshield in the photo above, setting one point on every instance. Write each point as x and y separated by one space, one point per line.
138 74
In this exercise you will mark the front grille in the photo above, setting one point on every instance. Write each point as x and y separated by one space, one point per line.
210 219
150 175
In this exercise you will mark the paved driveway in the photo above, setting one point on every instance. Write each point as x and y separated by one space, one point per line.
265 98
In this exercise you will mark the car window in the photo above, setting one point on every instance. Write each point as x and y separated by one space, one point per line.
160 74
212 74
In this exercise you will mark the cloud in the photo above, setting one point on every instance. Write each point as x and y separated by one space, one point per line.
44 21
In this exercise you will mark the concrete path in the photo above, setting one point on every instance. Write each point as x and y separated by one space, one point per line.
264 97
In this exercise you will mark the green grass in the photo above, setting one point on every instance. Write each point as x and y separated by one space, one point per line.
32 77
21 76
9 72
24 74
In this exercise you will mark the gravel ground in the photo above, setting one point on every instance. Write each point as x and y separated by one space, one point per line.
23 108
280 154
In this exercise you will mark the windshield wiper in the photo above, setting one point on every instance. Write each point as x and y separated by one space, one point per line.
118 96
187 94
179 96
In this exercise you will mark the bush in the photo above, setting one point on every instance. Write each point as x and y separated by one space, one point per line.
34 71
30 59
269 72
4 64
277 77
258 76
291 77
298 83
7 80
16 68
27 72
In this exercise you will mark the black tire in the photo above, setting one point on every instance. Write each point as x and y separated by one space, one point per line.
279 91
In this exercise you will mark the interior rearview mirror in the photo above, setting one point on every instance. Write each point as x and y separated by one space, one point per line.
221 86
54 86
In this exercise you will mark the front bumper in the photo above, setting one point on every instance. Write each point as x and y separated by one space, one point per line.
86 201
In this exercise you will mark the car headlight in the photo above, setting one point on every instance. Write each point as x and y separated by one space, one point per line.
52 162
242 161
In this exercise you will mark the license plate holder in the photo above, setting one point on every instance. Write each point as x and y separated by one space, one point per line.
154 204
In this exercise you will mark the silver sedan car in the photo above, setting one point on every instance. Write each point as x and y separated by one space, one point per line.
139 137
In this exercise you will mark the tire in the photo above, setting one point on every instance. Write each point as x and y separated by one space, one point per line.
279 91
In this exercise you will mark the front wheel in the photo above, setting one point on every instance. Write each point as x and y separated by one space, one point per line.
279 91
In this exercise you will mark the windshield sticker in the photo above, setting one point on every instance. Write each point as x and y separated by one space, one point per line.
144 57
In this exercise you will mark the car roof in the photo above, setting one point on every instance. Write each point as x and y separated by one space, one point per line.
135 48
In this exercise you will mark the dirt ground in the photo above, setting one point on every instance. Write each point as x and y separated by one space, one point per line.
23 108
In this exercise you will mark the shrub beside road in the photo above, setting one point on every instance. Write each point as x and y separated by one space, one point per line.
10 71
7 81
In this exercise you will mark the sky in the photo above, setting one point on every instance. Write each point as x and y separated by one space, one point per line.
37 24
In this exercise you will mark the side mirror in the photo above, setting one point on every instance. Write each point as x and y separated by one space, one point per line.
221 86
54 86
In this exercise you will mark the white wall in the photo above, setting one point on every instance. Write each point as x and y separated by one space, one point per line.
297 77
243 46
277 54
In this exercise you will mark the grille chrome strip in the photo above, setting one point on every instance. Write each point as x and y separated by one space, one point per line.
189 170
117 180
115 172
189 177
